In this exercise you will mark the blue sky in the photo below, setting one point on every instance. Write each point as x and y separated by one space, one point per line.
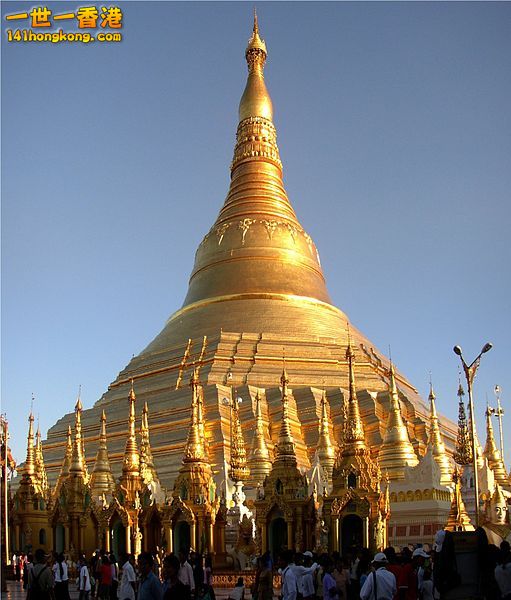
394 130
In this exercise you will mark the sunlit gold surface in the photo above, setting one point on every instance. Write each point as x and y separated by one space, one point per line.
458 519
436 444
396 451
492 453
102 480
256 287
259 461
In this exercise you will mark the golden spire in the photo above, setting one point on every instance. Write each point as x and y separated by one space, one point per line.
66 463
285 445
257 229
256 101
396 451
325 448
463 451
260 461
78 465
354 430
238 470
147 468
195 450
492 453
29 467
131 461
436 443
40 468
458 519
102 481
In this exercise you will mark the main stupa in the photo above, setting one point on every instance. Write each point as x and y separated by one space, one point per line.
257 296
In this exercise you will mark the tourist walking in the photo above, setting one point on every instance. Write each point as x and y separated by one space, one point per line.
105 573
186 572
60 575
40 581
173 588
84 583
149 587
128 579
380 583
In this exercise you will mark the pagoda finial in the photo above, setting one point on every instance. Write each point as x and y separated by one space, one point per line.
40 468
78 465
458 519
396 452
463 451
325 448
435 441
256 101
147 468
492 453
285 445
354 430
238 470
131 461
66 463
29 468
195 449
260 462
102 480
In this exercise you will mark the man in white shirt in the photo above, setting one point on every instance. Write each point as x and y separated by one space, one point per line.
306 579
84 585
185 574
126 589
381 579
288 577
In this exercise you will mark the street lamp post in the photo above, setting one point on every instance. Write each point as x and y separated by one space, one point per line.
470 373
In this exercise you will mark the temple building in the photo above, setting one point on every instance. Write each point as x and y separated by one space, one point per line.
308 455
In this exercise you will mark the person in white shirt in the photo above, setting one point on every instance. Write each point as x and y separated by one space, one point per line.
288 577
84 585
383 580
185 574
306 579
126 589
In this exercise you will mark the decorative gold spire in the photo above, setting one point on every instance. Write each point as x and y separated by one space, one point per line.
436 443
131 462
29 467
325 448
102 481
354 430
492 453
195 450
147 468
256 101
78 466
66 463
396 451
458 519
40 468
238 469
260 461
285 445
463 452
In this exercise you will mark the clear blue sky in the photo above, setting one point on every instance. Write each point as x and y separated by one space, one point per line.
394 129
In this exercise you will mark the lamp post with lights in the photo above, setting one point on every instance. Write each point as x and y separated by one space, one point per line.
470 373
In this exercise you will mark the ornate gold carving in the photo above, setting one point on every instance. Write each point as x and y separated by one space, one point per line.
220 231
244 225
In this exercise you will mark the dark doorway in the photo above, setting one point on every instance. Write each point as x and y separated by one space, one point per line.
181 532
277 537
352 533
118 538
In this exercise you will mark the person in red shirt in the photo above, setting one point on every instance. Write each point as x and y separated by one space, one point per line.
394 567
106 578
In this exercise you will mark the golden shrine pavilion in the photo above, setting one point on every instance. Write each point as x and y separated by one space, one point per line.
259 417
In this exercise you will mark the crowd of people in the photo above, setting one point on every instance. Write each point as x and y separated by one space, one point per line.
411 574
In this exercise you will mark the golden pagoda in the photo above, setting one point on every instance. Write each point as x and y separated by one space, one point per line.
256 286
396 452
356 511
436 443
102 481
463 451
325 448
259 461
458 519
492 453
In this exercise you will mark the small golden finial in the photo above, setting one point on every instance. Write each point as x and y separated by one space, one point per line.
256 24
